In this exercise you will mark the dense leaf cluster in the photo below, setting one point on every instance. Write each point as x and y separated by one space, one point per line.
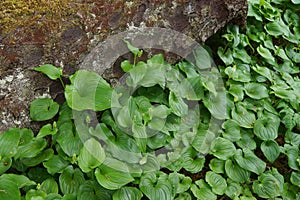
172 131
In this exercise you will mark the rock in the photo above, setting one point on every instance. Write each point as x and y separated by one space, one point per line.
76 34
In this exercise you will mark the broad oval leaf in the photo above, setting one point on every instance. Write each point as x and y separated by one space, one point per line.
9 141
217 182
266 54
295 178
232 130
222 148
256 90
70 180
217 165
113 174
270 150
51 71
20 180
127 193
91 155
266 128
178 106
91 190
235 172
242 116
156 186
49 186
181 182
250 161
47 129
88 90
35 194
233 189
267 186
55 164
9 190
42 156
202 191
69 139
5 164
31 149
43 109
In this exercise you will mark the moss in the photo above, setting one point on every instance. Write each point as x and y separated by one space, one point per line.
47 14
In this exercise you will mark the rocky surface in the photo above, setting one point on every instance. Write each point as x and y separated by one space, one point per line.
67 45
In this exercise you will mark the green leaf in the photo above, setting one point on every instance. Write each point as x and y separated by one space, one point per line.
226 57
43 109
217 165
131 48
256 90
68 139
155 74
264 71
202 191
222 148
91 190
53 196
235 172
42 156
292 153
192 162
277 28
217 105
242 55
35 194
20 180
91 155
232 130
88 90
136 75
31 149
47 129
266 54
295 178
55 164
270 150
113 174
233 189
178 106
9 190
239 73
9 141
140 136
202 58
127 193
191 88
242 116
267 186
156 186
5 164
266 127
293 53
250 161
49 186
237 92
126 65
70 180
180 181
51 71
217 182
202 141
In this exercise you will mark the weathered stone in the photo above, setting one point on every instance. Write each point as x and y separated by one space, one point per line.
74 37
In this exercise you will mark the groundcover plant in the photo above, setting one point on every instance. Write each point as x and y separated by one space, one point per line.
171 152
